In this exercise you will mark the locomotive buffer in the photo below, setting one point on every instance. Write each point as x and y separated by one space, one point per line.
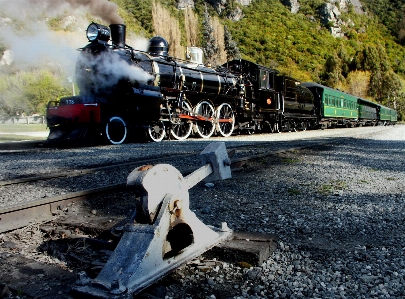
164 233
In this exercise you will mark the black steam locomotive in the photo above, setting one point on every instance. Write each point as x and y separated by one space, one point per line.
126 94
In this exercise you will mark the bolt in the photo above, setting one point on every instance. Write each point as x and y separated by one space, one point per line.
176 207
82 278
224 227
117 287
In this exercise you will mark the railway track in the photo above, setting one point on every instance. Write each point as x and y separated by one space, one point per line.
23 145
40 207
99 234
42 210
33 206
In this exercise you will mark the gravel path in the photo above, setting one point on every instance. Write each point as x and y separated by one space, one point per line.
337 209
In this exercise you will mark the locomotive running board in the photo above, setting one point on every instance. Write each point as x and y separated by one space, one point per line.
171 235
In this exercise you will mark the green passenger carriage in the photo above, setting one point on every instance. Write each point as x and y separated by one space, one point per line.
394 116
334 107
368 112
387 116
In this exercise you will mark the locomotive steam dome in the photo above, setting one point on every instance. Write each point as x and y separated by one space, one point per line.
158 46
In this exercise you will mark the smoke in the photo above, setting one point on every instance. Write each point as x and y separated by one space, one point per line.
104 9
42 49
118 68
140 43
23 30
107 70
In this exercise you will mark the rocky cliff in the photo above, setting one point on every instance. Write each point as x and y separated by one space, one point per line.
329 14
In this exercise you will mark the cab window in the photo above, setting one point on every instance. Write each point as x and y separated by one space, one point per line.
264 79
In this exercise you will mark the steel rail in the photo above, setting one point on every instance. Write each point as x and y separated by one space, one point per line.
21 215
21 145
77 172
43 210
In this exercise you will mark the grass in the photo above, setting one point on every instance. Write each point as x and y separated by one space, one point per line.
325 189
334 185
8 128
10 132
293 192
289 161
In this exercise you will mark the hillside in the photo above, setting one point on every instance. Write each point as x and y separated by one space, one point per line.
347 44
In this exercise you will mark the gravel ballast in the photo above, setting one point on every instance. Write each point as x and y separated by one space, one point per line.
338 210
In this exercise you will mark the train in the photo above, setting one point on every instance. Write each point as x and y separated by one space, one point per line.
128 95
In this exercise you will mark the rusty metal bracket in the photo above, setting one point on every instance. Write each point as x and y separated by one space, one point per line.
164 233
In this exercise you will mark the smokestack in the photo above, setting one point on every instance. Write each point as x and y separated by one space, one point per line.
118 34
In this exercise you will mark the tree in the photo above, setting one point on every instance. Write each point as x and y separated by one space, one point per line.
358 82
231 48
192 27
376 61
401 30
400 106
29 92
168 27
332 75
337 67
390 89
209 45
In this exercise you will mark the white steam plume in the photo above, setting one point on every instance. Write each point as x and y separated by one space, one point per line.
107 70
23 30
43 48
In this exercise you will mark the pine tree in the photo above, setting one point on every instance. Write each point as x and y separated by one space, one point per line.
332 74
209 46
231 48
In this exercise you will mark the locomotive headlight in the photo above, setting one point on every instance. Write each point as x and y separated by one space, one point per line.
98 32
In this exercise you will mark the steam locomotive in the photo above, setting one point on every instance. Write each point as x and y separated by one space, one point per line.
127 94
